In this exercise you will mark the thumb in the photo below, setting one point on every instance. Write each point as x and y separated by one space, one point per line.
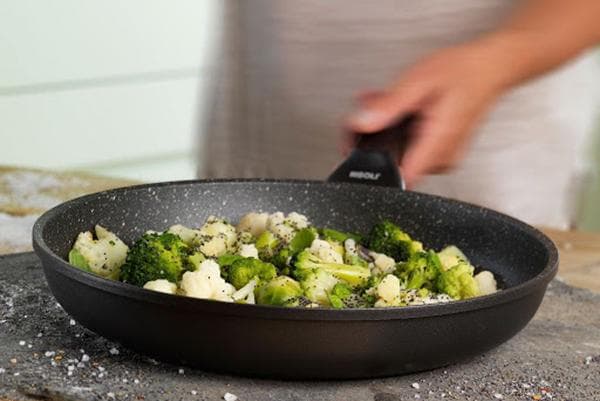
382 110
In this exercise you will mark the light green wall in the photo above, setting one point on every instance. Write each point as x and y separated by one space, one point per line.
589 218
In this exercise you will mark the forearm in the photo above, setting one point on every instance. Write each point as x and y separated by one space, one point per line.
541 35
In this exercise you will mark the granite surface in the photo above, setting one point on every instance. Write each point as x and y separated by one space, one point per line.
44 355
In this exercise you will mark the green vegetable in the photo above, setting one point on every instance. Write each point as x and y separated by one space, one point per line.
156 256
330 234
245 269
196 259
267 244
301 240
339 293
354 275
317 284
387 238
420 270
77 260
458 282
280 291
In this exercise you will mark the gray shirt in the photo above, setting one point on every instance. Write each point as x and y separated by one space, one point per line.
288 71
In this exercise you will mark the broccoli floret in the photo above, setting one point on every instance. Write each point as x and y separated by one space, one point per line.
330 234
387 238
306 262
420 270
156 256
301 240
195 259
339 294
280 291
458 282
225 262
317 285
267 244
243 270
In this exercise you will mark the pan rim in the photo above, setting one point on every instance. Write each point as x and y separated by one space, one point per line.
274 312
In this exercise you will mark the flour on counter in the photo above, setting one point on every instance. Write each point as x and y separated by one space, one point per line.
27 187
15 231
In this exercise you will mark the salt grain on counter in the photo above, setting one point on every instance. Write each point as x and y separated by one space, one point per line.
230 397
114 351
72 322
181 371
85 358
194 392
21 343
415 386
498 396
2 370
49 354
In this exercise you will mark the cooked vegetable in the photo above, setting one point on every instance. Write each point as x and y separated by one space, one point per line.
161 285
339 295
458 282
282 260
156 256
280 291
245 269
387 238
306 262
103 255
206 283
420 270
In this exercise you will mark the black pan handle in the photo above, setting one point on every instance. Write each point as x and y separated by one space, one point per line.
375 158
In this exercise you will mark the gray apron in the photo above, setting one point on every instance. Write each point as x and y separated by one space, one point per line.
288 71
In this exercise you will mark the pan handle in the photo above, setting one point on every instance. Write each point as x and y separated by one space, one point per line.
375 158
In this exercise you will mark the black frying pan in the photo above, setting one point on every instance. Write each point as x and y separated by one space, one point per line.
278 342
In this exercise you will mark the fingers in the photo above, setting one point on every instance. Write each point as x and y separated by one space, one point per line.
440 141
380 109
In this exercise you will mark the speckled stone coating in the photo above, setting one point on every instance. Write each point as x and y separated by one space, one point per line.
556 357
357 343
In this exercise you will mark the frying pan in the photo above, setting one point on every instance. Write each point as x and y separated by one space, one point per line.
275 342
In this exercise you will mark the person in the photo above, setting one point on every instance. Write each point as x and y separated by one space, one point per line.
506 133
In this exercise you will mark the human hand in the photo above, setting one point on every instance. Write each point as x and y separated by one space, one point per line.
449 91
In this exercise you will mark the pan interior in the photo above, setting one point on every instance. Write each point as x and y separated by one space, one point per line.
493 241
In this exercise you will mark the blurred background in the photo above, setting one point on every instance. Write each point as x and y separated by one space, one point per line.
118 88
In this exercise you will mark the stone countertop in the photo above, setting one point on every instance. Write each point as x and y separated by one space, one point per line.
44 355
26 193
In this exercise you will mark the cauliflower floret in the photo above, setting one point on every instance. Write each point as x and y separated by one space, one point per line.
450 256
297 220
104 255
248 251
188 235
254 223
214 247
486 282
275 219
206 283
285 227
161 285
388 291
382 264
324 251
246 293
217 237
